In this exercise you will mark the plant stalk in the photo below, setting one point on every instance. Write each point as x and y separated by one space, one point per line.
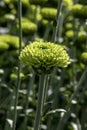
42 85
19 65
57 19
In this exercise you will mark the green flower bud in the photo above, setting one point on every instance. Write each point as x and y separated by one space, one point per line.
68 4
46 22
84 57
79 11
49 13
82 36
43 56
69 34
13 76
68 26
12 41
14 3
69 18
28 27
34 13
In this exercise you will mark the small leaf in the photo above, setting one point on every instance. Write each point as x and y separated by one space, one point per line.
56 110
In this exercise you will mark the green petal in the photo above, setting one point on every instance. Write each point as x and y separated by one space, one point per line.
44 55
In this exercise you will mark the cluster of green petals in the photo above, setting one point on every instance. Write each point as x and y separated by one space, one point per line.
28 27
80 11
9 41
69 34
68 26
81 37
25 3
49 13
43 56
68 3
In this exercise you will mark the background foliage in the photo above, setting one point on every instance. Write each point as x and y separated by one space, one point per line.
39 20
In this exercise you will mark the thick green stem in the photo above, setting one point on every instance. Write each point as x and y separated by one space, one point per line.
46 89
42 82
69 107
19 65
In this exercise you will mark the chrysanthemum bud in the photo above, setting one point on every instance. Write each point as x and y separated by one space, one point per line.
82 36
68 26
68 4
13 4
12 41
49 13
28 27
79 11
13 76
69 34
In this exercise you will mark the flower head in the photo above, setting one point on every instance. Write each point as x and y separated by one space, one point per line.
43 56
28 27
68 4
82 36
49 13
11 40
79 11
69 34
84 57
